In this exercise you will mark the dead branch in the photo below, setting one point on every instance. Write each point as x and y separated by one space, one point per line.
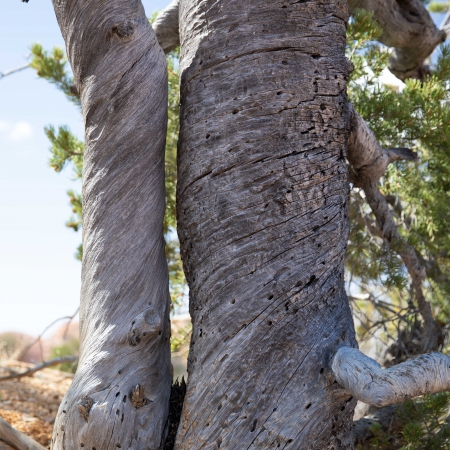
15 439
166 27
10 72
45 364
368 161
365 380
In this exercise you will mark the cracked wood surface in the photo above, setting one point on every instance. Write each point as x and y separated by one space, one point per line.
120 394
409 29
263 225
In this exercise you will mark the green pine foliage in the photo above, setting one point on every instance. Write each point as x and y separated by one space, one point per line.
417 117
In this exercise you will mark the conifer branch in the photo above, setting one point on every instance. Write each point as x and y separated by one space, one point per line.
409 29
368 162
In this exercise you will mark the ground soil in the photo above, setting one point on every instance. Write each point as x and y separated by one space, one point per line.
30 404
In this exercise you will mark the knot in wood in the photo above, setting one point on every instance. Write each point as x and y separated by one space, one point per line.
123 30
144 326
84 407
138 399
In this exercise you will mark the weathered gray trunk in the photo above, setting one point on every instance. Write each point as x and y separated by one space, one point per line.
262 213
119 396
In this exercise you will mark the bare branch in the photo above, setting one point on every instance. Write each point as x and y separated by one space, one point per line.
19 355
10 72
364 378
44 365
166 27
15 439
369 161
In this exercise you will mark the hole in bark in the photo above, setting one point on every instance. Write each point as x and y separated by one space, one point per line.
321 370
270 296
322 107
124 399
316 56
311 281
117 394
284 6
117 412
144 334
253 428
132 323
159 333
233 301
200 63
284 62
308 405
122 417
279 92
274 409
342 409
235 111
208 136
64 411
93 448
289 441
269 323
219 407
81 445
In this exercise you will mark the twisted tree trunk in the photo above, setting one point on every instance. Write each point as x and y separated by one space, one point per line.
262 213
120 394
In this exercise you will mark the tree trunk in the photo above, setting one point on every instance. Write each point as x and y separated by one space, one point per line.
120 394
263 225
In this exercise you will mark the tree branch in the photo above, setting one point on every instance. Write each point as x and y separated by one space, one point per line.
45 364
365 380
166 27
10 72
15 439
409 29
368 161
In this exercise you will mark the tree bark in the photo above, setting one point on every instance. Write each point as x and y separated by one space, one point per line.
263 225
120 394
409 29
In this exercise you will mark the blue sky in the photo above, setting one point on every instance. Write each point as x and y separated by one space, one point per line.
39 276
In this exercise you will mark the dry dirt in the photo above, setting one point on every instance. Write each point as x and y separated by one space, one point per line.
30 404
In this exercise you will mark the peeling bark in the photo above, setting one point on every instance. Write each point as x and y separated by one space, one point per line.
263 223
166 27
368 162
365 380
409 29
120 393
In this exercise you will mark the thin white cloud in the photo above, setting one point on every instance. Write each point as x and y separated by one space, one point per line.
21 131
16 131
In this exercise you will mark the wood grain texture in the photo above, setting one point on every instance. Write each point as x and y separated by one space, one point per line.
11 439
166 27
120 394
263 226
409 29
364 378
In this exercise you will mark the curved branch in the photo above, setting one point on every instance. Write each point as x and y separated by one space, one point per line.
409 29
364 378
166 27
368 162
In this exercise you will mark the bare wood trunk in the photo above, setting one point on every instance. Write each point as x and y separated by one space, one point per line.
262 214
120 394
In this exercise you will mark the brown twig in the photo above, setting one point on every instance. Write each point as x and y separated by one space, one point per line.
45 364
